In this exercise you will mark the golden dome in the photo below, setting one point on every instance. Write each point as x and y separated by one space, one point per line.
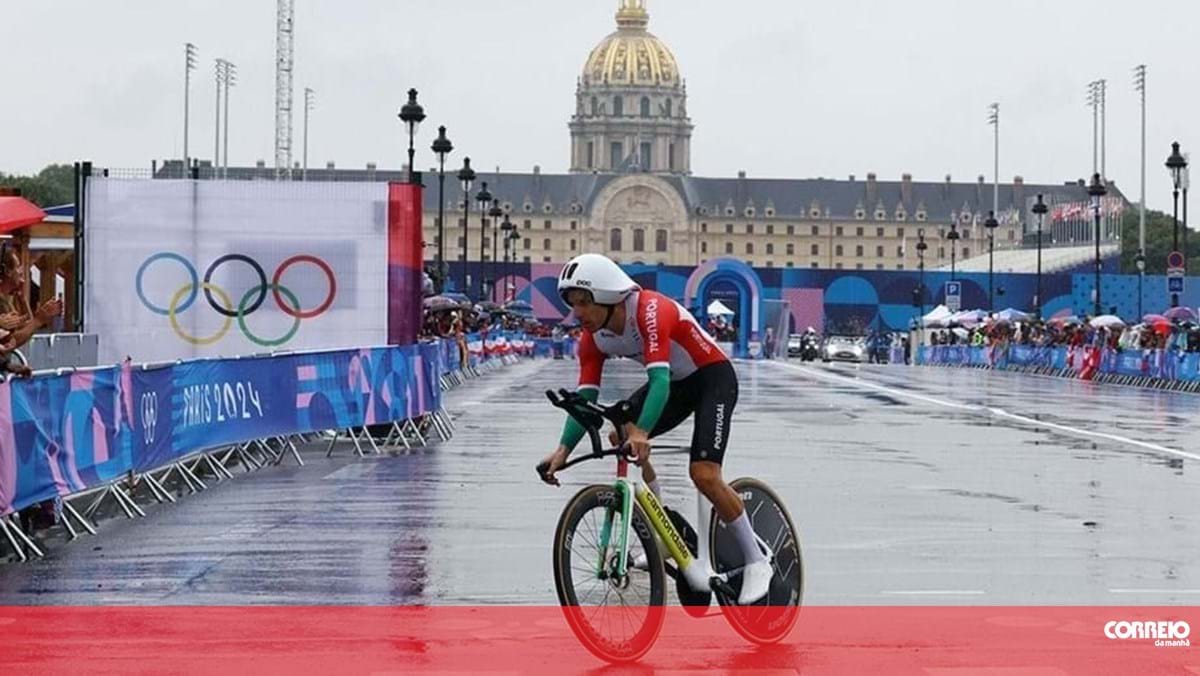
632 56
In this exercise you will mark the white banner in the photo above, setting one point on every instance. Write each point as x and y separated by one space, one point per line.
182 269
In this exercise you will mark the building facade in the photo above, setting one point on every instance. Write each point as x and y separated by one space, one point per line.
630 194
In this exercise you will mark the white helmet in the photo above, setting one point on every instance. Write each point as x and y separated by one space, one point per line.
606 281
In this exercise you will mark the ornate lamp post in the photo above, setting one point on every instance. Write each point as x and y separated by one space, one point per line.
442 147
921 248
483 197
507 228
495 213
1097 191
991 224
466 176
1039 211
412 114
953 236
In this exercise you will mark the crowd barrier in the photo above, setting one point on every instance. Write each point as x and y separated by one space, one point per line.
112 432
1164 369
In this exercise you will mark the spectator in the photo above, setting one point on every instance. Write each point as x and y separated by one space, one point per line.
17 323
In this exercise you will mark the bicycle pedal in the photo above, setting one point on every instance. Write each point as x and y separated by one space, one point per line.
723 588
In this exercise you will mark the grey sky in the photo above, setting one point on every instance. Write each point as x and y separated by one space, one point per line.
779 88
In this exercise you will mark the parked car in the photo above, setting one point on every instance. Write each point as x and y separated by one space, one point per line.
844 348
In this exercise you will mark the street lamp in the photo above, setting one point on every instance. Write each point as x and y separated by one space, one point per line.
507 228
495 213
1176 163
953 236
991 224
466 176
483 197
441 147
412 114
1039 210
513 237
1097 191
1140 261
921 247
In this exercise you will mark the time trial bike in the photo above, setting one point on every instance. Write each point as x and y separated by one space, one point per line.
616 543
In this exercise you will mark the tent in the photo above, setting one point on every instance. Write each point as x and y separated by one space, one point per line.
937 317
719 309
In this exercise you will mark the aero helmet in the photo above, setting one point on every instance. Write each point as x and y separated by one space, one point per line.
597 274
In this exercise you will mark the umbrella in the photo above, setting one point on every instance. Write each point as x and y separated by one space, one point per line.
488 306
1013 315
1181 313
17 213
1107 321
440 304
1063 320
460 298
519 307
719 309
960 332
1154 319
937 317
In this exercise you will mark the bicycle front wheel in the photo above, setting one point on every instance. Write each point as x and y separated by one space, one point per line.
770 619
616 617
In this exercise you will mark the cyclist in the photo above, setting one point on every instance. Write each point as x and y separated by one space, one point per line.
688 374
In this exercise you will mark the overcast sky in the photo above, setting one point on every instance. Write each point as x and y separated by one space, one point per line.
779 88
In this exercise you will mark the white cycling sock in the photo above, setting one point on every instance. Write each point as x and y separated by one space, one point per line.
656 489
745 537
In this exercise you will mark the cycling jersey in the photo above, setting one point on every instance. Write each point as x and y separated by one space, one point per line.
663 336
658 332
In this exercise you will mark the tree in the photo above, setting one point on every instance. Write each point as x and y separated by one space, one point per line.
1159 240
52 186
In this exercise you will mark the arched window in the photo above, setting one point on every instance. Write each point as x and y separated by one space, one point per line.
595 105
660 240
618 106
645 111
614 239
770 248
668 111
639 239
546 244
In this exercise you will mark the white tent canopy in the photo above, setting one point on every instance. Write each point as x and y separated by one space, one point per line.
937 317
719 309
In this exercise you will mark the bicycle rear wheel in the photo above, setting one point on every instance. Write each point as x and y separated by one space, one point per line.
616 619
769 620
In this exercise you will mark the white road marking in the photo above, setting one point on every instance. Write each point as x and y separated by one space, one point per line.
1154 591
933 592
992 411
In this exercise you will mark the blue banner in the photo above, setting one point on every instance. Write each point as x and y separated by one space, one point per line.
60 435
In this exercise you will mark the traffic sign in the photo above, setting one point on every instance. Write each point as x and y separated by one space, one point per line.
1174 284
954 296
1175 263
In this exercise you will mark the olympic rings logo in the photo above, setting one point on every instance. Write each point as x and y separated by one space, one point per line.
183 297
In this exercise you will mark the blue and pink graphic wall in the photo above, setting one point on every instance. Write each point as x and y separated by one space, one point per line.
840 299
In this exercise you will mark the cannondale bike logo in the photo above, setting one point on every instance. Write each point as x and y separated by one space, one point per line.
149 416
219 300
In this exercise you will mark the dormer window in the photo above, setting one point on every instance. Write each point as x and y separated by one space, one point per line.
548 208
729 211
880 214
921 216
507 207
528 208
749 212
901 215
770 212
814 212
860 213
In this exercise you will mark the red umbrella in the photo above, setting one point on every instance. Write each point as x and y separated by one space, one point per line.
17 213
1154 319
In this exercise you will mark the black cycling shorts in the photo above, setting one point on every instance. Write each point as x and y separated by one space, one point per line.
710 393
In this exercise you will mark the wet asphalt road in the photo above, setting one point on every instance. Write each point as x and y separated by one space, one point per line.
909 486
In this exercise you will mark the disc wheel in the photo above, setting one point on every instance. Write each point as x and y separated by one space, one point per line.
771 618
616 618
